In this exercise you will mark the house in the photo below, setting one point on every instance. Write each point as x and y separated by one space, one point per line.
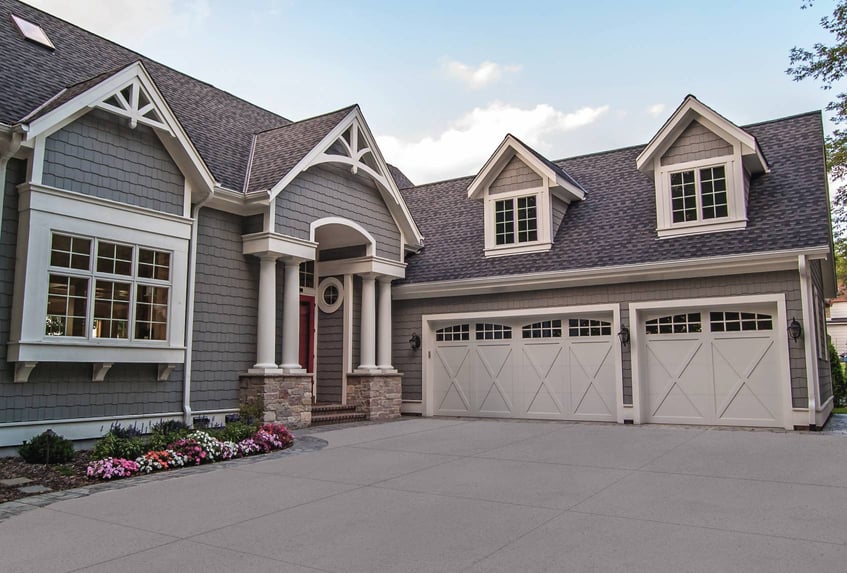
169 251
836 323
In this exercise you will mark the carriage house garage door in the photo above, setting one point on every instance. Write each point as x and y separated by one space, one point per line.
718 365
552 366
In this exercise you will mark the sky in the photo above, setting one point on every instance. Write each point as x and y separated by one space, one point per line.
441 83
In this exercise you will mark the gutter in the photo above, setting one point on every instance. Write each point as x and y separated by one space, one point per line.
189 318
704 266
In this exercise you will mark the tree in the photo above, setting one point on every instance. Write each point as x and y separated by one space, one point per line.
828 64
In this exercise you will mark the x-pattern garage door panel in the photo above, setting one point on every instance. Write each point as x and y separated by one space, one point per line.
746 379
551 376
727 370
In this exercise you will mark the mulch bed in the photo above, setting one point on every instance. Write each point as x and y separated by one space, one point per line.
57 477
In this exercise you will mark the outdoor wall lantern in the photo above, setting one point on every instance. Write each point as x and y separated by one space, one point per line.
415 341
795 331
624 336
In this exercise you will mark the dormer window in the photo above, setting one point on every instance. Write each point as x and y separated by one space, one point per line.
525 197
699 194
515 220
702 164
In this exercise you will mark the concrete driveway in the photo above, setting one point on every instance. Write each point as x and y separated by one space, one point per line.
470 495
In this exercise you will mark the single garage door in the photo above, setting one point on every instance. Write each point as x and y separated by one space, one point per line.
556 367
720 365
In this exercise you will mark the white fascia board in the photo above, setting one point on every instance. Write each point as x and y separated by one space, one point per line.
665 270
94 351
692 108
235 202
282 245
364 266
392 197
57 118
502 155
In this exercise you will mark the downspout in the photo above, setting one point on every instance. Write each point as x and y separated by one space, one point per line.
189 318
14 146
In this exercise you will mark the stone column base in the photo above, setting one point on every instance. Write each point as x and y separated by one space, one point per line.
376 395
285 398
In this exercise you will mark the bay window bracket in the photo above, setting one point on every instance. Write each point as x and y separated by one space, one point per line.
99 371
23 370
165 372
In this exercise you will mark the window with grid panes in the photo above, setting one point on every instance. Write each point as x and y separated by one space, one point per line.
515 220
104 289
699 194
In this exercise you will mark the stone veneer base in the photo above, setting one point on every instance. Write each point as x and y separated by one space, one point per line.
375 394
287 398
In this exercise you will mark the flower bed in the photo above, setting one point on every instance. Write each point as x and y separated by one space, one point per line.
195 448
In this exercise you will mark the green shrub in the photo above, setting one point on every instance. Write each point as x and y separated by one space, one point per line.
839 380
234 432
47 448
113 445
165 432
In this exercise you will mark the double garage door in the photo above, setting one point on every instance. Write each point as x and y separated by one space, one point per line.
552 367
722 365
716 365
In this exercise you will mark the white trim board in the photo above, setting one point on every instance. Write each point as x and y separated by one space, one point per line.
664 270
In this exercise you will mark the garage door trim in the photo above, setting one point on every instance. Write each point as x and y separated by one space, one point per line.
429 322
636 310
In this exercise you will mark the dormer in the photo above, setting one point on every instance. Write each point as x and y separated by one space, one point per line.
702 165
525 198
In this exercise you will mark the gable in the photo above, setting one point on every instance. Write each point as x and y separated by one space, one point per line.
516 175
696 142
100 155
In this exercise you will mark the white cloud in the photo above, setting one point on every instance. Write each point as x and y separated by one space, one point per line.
128 22
465 145
475 78
656 109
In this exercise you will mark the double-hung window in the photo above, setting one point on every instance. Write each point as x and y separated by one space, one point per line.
699 194
515 220
101 289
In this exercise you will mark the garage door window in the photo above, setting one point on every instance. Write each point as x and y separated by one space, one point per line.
739 321
675 324
453 333
543 329
589 327
487 331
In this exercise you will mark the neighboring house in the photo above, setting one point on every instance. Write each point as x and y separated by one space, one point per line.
170 251
836 323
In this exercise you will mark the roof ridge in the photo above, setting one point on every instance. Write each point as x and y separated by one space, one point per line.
348 108
141 57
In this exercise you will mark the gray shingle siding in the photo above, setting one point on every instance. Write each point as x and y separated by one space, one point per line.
330 352
515 175
100 155
58 391
696 142
824 372
225 315
356 301
407 315
320 192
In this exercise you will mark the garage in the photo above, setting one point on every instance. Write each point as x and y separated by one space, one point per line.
716 365
553 366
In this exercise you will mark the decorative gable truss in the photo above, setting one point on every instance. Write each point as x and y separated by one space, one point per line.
702 165
129 93
351 143
526 197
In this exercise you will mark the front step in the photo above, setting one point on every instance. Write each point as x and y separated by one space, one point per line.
325 414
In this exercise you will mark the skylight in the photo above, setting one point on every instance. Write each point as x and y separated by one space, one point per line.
33 32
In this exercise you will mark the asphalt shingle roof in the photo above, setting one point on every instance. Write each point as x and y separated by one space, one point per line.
220 125
278 150
616 224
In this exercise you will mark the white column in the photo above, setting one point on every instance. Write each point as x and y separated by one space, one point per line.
383 348
266 336
368 333
291 317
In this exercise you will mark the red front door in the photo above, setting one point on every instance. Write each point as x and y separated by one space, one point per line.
307 333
